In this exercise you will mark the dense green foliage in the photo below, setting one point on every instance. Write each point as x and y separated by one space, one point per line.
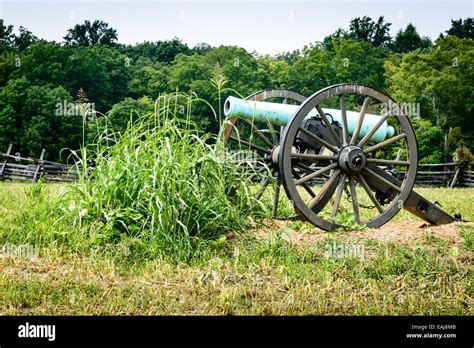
36 76
441 81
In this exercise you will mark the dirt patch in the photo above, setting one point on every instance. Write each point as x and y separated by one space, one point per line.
403 232
410 232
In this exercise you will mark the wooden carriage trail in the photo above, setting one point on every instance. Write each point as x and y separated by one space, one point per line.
13 167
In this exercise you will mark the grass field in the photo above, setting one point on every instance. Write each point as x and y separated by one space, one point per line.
272 268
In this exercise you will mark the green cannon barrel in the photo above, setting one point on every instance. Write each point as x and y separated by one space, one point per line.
280 114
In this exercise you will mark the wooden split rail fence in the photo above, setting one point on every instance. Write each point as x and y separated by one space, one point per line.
443 174
13 167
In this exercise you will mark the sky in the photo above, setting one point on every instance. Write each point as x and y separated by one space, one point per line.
267 27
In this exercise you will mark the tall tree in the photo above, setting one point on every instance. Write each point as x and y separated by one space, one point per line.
25 39
7 38
365 29
328 40
408 40
462 28
97 32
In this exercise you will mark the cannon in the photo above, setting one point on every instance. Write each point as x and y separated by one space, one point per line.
347 150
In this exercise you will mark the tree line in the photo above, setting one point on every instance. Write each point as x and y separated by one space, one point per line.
42 81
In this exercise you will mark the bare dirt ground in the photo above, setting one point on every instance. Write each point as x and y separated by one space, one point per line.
403 232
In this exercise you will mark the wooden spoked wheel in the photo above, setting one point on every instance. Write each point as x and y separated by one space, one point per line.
361 182
258 144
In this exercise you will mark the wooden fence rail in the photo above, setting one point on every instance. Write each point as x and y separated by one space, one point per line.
14 167
31 169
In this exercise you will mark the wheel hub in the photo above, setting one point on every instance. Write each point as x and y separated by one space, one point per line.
352 159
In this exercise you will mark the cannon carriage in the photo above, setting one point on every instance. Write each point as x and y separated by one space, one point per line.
341 151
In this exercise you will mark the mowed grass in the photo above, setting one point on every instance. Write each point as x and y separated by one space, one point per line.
239 273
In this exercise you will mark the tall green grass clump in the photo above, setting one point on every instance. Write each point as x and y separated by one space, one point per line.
160 188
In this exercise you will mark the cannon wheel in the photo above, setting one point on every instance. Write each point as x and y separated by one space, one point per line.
358 166
269 136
